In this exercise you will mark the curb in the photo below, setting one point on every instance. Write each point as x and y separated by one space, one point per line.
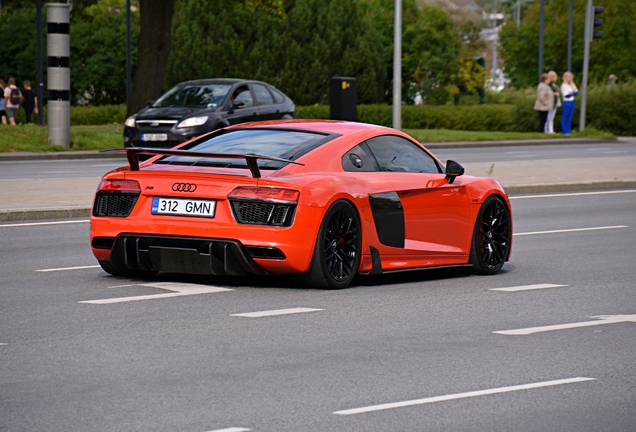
88 154
84 212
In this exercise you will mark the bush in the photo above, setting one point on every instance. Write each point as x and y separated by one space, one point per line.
469 117
86 115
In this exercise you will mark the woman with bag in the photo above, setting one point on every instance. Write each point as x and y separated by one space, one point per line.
544 102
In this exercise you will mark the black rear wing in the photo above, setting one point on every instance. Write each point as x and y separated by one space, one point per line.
251 159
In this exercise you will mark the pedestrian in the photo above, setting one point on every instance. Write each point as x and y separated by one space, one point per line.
3 114
611 81
12 100
569 91
29 100
549 125
544 102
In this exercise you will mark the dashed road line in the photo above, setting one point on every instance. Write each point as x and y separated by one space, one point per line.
600 320
177 290
461 395
231 429
572 194
526 287
68 268
44 223
276 312
571 230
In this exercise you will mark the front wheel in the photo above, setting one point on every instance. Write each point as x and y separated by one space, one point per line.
491 238
338 249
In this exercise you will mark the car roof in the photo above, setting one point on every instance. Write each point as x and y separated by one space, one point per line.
207 81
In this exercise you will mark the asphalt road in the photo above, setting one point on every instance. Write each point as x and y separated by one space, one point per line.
422 341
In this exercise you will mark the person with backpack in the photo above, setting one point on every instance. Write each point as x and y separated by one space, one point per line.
12 100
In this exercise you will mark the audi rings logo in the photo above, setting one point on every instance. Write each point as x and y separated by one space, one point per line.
184 187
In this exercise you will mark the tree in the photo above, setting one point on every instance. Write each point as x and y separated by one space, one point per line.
430 49
519 47
297 47
153 50
98 74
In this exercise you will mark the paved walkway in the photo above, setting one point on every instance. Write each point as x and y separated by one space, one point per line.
68 198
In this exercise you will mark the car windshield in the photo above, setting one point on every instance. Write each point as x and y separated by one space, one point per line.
197 96
282 144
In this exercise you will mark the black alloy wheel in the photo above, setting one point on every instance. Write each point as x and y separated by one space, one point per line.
116 267
491 238
338 249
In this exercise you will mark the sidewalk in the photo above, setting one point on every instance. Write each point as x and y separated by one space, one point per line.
57 198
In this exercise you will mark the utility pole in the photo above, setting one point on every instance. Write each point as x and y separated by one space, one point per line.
541 19
128 60
397 66
570 36
494 45
590 34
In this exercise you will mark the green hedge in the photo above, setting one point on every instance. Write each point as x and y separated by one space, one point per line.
87 115
470 118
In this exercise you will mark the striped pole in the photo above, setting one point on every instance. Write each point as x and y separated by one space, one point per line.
59 73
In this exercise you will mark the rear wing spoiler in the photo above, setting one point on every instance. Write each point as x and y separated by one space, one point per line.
251 159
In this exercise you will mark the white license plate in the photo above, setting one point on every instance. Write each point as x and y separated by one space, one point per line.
183 207
154 137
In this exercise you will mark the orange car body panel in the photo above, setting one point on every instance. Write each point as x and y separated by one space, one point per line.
439 217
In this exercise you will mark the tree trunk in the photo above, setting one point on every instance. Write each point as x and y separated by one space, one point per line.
154 47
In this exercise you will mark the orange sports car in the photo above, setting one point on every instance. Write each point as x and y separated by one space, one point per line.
321 200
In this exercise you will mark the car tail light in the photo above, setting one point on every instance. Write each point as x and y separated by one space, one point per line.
272 195
264 206
116 198
119 186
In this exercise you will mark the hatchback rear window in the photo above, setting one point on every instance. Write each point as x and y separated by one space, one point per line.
278 143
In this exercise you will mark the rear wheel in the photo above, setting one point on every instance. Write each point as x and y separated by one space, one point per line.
491 238
338 247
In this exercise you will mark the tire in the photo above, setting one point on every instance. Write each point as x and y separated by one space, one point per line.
338 249
491 237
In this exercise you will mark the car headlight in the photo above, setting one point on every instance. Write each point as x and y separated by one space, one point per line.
130 121
193 121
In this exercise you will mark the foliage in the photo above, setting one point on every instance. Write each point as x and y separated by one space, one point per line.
297 49
519 47
98 74
18 54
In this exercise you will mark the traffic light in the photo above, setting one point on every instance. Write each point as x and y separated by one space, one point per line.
597 22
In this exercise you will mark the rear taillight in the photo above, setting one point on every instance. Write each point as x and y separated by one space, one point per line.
265 194
263 205
131 186
116 198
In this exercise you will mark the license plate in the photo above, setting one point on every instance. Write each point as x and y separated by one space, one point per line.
183 207
154 137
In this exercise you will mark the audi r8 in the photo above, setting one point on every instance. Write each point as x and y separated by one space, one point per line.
320 200
192 108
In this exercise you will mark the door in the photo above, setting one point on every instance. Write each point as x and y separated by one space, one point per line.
436 213
241 106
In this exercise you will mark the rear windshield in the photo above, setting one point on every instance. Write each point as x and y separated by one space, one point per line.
283 144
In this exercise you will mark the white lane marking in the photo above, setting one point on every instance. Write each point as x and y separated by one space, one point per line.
68 268
600 320
232 429
178 290
276 312
571 230
461 395
3 344
573 194
44 223
527 287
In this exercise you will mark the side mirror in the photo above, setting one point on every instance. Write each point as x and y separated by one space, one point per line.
238 105
453 170
149 103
